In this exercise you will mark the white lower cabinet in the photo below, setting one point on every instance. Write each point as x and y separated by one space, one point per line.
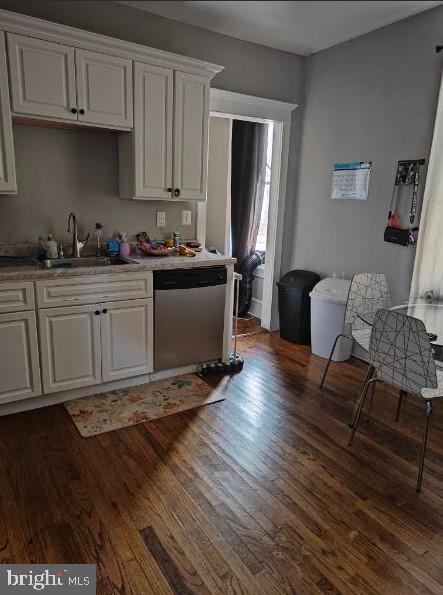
19 365
126 339
90 344
70 347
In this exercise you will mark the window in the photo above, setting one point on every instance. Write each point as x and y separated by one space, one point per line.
263 229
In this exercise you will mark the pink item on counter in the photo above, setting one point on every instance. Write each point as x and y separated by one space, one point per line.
125 246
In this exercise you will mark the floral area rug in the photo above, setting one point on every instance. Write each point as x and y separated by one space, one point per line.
117 409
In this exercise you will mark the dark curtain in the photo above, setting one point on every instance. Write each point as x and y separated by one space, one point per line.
249 141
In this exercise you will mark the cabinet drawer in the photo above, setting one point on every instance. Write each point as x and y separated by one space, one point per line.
93 289
16 296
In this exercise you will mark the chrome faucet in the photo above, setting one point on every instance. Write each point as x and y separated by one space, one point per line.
77 244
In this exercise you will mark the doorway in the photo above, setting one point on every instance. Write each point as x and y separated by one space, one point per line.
225 108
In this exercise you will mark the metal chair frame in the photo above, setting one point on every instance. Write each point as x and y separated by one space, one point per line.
394 361
364 287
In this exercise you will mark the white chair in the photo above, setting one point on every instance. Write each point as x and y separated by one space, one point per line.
401 354
367 291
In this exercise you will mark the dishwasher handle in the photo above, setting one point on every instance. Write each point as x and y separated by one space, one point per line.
189 278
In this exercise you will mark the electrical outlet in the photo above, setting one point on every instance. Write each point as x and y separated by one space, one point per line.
186 217
161 219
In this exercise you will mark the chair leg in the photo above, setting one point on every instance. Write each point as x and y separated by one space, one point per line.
330 357
400 400
360 404
369 375
424 444
370 402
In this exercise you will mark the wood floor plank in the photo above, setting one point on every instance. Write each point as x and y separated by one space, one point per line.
183 580
255 495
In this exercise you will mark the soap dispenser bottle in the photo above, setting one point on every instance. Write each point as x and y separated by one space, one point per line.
125 247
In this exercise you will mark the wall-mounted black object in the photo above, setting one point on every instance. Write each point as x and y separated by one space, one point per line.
408 174
438 48
294 305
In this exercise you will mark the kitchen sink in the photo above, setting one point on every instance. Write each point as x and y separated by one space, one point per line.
83 261
17 261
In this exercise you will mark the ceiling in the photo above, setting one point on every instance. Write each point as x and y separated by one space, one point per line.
298 27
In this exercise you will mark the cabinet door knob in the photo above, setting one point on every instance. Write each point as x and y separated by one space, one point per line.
104 311
97 312
81 111
177 192
73 110
169 189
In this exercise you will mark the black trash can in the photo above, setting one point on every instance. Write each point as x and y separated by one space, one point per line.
294 305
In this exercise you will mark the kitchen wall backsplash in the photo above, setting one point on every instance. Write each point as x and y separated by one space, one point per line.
62 170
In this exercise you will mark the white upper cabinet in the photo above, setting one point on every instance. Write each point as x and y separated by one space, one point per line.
166 155
191 118
52 80
104 89
42 78
153 103
158 100
8 184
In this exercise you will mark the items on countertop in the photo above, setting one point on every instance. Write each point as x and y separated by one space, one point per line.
98 232
176 238
194 245
113 246
125 247
166 247
185 251
48 247
119 245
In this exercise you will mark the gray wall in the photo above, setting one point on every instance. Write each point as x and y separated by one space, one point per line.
372 98
63 170
60 170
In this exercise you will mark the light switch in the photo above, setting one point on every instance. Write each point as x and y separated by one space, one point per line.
186 217
161 219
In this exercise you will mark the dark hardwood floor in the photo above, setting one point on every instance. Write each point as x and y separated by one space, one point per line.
249 325
254 495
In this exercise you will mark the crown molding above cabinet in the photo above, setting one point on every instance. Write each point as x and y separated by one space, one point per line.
156 100
33 27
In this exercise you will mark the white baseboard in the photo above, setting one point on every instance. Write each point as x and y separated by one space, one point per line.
255 308
77 393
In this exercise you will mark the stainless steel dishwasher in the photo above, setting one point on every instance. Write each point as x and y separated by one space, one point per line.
189 312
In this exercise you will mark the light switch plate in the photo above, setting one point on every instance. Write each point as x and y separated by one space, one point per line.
186 217
161 218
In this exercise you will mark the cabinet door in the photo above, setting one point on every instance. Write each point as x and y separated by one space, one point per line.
42 77
191 136
8 183
127 338
19 365
153 117
70 347
104 89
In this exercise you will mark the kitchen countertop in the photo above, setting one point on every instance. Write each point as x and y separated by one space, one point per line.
137 265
